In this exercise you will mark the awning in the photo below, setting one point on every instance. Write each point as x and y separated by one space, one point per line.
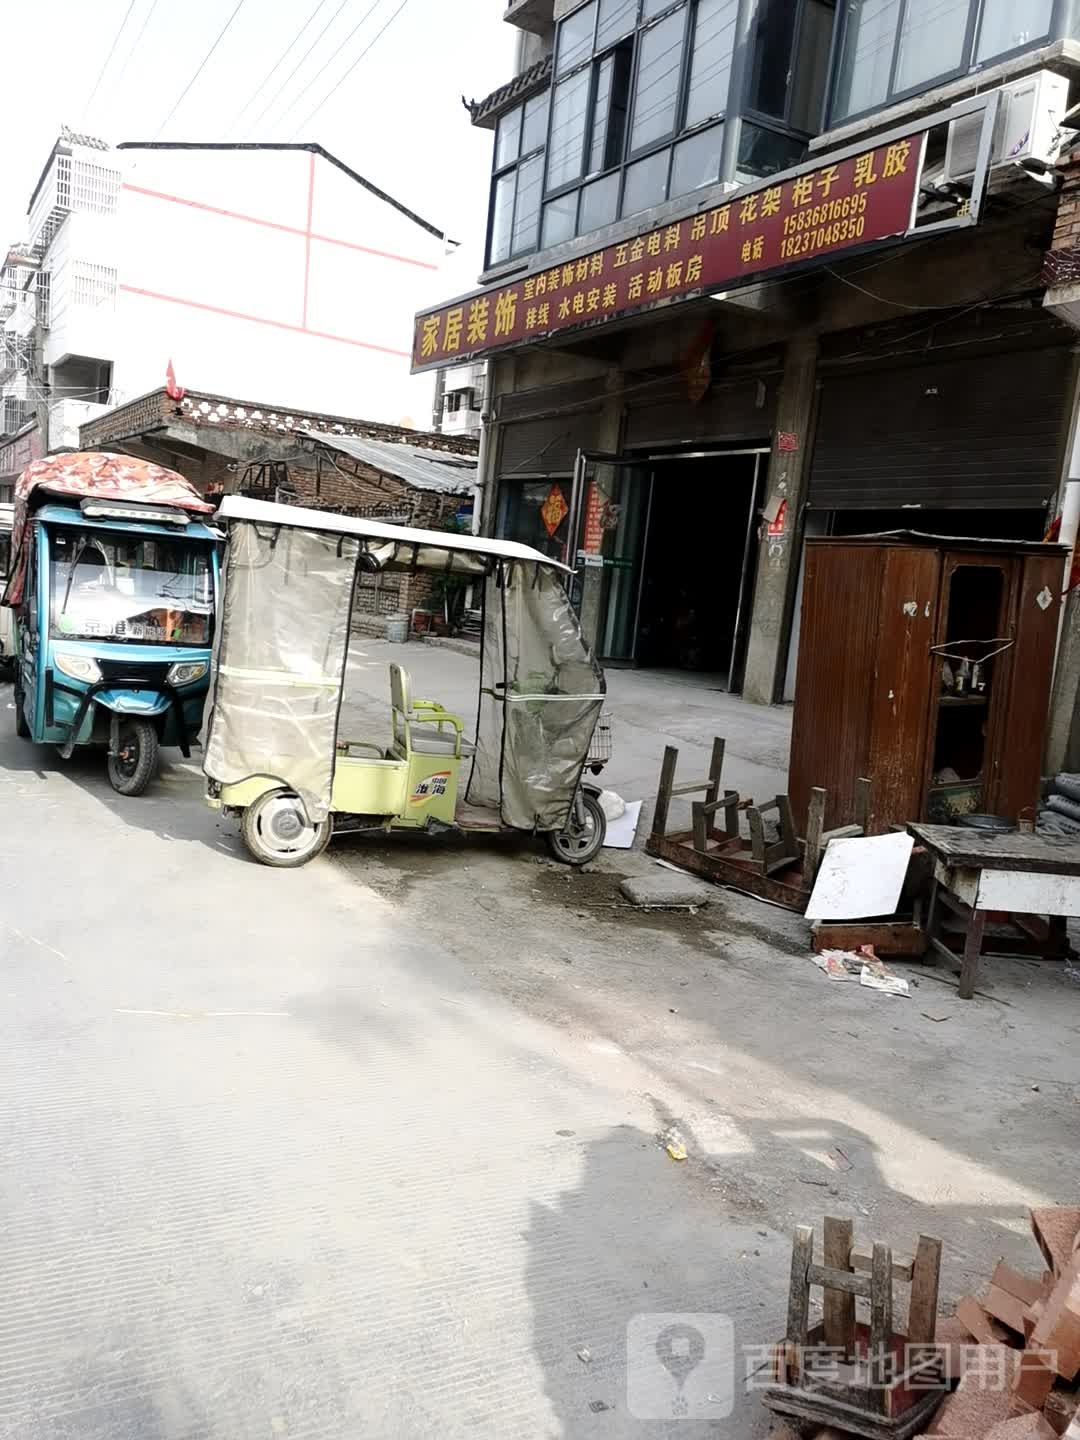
423 469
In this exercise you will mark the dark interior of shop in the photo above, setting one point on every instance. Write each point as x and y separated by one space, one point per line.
694 564
982 524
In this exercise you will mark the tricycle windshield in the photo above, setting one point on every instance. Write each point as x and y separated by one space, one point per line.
117 586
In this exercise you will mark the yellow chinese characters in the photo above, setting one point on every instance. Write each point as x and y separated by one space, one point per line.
655 282
620 256
693 270
637 250
672 236
770 201
864 170
896 158
505 311
748 210
429 336
452 332
674 275
634 288
611 295
697 227
802 190
718 220
479 312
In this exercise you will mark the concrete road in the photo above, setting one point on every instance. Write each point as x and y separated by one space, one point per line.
371 1148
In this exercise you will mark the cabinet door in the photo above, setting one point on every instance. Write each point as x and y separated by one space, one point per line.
901 683
1017 758
837 642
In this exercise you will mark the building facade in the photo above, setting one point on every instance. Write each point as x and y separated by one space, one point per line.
273 270
758 270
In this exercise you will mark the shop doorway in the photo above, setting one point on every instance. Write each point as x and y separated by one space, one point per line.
665 554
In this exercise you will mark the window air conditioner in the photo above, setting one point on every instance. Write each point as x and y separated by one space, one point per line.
1027 126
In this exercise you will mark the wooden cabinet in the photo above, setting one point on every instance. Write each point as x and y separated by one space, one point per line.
925 664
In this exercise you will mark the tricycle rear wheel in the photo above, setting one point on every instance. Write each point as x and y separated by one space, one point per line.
277 831
578 844
135 763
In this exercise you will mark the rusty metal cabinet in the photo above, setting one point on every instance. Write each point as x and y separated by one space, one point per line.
924 664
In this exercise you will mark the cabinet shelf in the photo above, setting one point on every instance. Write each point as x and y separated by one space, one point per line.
963 699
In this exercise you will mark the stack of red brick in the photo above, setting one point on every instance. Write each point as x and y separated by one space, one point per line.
1014 1351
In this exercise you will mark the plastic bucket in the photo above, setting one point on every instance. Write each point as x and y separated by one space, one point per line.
397 629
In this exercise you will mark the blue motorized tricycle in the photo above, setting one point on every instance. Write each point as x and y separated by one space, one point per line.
113 630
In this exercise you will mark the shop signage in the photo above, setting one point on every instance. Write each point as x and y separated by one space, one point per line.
593 540
20 452
809 216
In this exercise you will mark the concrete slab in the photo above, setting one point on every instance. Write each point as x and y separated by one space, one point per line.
665 890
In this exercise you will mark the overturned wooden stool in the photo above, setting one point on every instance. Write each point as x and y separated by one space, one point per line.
869 1379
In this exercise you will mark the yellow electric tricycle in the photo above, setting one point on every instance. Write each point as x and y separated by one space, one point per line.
273 753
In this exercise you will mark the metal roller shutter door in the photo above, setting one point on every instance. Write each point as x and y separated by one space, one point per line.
966 433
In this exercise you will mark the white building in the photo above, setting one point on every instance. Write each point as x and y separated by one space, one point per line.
273 271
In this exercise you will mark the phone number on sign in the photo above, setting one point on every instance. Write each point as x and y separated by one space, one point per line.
811 240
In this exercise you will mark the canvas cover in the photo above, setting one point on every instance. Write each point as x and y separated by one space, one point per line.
541 693
90 473
279 658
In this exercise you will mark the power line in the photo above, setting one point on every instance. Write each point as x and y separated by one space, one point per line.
341 48
308 118
273 99
273 70
202 65
138 42
108 57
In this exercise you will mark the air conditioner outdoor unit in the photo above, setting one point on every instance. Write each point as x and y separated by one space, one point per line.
1027 126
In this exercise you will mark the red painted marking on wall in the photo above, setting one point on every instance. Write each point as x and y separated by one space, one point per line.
261 320
276 225
307 233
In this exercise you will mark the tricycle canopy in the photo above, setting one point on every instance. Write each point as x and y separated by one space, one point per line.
282 646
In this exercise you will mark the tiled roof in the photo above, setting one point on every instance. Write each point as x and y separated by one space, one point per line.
485 112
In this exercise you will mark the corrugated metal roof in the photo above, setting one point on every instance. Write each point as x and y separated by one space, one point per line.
422 469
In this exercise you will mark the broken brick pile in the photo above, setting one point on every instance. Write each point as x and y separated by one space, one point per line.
1014 1351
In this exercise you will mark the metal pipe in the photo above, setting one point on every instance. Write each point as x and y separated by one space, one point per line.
485 492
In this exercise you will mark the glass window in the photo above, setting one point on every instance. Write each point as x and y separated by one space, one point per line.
601 109
807 88
507 138
863 79
696 161
599 203
659 66
654 7
1007 25
575 42
502 217
534 125
530 174
120 587
932 40
560 217
774 34
617 19
646 183
567 130
763 152
710 62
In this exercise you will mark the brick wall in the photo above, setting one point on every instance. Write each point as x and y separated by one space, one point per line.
1061 264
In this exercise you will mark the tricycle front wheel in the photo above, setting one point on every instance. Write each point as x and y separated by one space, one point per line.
277 831
580 842
135 762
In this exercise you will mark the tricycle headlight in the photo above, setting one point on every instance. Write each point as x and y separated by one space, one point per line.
79 667
185 671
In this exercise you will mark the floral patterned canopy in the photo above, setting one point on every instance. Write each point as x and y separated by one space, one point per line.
103 477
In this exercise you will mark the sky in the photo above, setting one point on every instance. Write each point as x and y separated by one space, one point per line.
396 118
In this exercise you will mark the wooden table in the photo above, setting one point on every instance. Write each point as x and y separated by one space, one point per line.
1018 874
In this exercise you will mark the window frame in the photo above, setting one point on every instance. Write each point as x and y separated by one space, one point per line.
968 65
783 123
628 157
500 172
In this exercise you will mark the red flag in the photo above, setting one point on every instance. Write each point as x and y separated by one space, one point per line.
172 389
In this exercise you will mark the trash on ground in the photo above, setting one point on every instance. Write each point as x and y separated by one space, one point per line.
622 829
875 976
585 1356
674 1144
860 877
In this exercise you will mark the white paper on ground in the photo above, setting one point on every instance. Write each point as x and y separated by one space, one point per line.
621 832
860 877
891 984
